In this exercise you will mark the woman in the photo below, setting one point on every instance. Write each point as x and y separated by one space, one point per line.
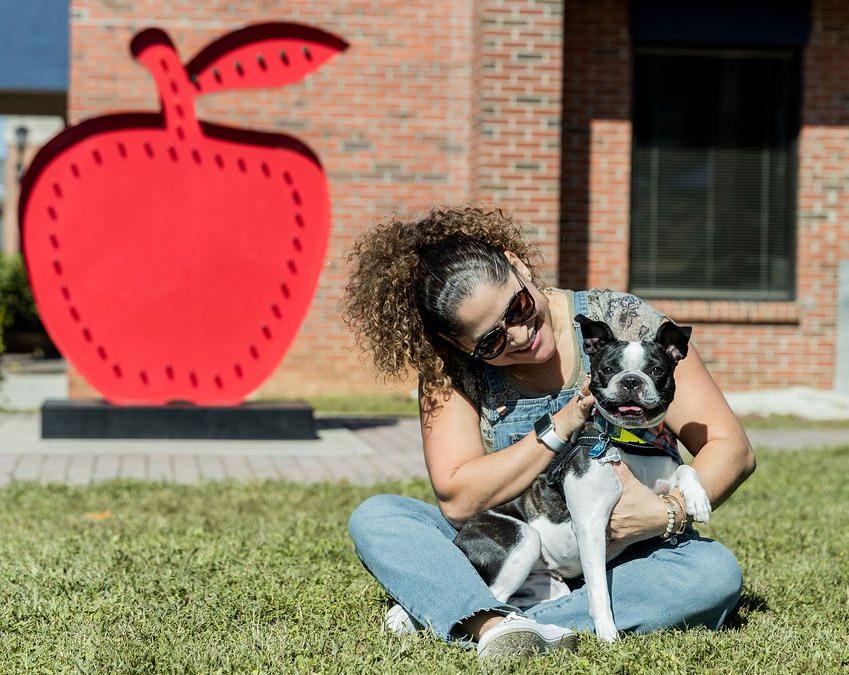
444 295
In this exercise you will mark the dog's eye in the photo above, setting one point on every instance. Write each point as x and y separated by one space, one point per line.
608 370
657 371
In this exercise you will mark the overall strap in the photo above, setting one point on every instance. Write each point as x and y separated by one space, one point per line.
581 306
495 382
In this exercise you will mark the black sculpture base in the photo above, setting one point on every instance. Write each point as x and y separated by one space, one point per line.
249 421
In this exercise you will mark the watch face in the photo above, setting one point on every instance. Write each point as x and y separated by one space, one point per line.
542 425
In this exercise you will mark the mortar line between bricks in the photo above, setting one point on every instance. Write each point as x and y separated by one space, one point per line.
294 473
301 470
391 457
368 470
41 464
371 470
15 467
250 468
64 463
67 468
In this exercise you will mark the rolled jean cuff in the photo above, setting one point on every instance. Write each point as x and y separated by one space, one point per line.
450 631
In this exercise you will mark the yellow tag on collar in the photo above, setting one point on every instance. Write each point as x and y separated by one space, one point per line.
627 437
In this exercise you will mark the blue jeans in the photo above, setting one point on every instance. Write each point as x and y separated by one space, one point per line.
407 545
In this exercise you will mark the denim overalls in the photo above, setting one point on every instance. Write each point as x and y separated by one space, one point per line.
510 420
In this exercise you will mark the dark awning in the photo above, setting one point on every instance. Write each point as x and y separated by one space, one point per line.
744 22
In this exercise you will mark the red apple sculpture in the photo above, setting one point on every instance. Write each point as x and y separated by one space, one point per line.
171 258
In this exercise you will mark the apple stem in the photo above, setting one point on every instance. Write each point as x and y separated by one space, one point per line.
176 92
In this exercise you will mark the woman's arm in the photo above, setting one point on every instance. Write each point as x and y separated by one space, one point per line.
723 457
465 479
701 418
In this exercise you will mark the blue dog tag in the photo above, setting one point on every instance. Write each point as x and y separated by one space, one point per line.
603 426
599 448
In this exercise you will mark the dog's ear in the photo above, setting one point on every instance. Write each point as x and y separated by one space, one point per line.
597 334
674 338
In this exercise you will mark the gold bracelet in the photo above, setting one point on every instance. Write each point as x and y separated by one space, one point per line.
685 520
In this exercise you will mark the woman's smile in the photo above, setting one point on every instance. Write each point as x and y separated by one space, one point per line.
534 338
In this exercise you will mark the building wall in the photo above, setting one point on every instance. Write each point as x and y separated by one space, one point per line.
517 101
520 103
40 129
389 118
746 345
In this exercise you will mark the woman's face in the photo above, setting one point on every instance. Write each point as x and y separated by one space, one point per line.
529 342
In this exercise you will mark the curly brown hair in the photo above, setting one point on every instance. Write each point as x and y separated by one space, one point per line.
408 278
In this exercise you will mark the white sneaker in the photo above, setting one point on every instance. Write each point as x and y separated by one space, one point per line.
398 621
517 637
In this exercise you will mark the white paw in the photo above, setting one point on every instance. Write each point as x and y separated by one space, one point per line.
606 631
698 505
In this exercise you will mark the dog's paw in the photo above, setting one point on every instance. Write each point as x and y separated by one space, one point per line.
698 506
606 631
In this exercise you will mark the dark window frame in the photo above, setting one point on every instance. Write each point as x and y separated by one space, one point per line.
789 291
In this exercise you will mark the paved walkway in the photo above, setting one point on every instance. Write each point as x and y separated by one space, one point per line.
359 450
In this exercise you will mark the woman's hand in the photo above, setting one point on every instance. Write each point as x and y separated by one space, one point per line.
639 514
574 414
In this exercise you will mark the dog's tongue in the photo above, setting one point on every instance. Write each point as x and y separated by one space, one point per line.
630 409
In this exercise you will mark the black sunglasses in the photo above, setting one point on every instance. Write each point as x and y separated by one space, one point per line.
520 308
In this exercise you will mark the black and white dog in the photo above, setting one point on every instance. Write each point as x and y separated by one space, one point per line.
560 521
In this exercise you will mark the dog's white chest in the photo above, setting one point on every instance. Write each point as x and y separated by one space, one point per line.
655 472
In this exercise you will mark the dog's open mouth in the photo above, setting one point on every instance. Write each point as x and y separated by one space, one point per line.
631 410
630 413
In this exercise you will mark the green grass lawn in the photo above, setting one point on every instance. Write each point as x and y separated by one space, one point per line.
127 577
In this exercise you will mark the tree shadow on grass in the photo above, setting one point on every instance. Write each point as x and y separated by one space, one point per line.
749 603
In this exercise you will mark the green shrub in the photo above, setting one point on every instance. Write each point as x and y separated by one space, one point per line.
17 306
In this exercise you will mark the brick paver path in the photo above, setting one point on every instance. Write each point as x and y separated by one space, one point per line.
359 450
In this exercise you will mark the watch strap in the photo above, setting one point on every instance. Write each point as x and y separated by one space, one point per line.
544 428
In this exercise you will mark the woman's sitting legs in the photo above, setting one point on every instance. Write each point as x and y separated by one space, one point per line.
655 585
407 545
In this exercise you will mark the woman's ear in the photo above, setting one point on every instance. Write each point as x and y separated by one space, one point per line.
518 264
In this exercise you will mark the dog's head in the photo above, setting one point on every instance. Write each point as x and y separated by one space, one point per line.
633 382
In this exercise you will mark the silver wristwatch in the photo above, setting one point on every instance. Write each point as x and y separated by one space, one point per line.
544 428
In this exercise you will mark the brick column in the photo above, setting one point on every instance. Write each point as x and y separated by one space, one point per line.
517 82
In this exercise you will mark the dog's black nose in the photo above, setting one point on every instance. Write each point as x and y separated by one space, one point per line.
631 382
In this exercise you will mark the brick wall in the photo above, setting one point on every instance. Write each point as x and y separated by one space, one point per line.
745 344
520 103
389 119
518 80
751 345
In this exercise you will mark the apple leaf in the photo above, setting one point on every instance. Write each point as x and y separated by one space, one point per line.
261 56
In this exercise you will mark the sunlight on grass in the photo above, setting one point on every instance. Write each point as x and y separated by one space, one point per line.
261 577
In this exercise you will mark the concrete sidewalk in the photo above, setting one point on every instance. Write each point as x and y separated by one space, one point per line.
362 450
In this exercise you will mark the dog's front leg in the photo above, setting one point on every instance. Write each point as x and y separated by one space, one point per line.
590 499
696 501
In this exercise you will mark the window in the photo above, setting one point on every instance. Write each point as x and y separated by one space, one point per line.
714 172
